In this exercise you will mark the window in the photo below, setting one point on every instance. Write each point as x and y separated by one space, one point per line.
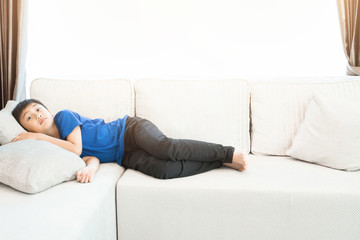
183 39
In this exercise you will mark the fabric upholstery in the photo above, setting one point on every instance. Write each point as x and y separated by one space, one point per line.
278 108
329 134
275 198
107 99
214 111
71 210
9 127
33 166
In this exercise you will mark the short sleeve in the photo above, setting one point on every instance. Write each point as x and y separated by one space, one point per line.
66 121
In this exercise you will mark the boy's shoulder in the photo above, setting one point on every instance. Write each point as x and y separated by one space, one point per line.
66 113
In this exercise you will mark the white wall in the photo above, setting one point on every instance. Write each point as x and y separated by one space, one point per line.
96 39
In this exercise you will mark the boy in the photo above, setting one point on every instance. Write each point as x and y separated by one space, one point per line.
132 142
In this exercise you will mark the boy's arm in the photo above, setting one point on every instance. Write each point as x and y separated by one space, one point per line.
73 141
87 174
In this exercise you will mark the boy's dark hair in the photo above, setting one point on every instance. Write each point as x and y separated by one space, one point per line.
16 112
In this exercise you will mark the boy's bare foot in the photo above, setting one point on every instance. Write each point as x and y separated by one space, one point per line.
239 161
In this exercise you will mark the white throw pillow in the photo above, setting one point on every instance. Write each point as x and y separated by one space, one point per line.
9 127
329 134
32 166
278 108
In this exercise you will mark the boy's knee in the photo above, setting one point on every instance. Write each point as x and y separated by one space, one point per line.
169 170
165 146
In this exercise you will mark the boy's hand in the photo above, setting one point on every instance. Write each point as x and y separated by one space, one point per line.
85 175
26 135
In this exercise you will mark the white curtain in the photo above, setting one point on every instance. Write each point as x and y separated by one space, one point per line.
20 86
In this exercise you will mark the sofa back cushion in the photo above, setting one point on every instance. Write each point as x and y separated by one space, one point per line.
206 110
278 108
107 99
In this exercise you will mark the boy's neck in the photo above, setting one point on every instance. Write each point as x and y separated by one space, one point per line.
53 131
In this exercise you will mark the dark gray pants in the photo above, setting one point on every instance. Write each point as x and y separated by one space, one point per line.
149 151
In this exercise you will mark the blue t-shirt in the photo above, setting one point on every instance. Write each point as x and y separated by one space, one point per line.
102 140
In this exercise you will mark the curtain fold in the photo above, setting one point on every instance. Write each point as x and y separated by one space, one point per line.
10 19
20 86
349 16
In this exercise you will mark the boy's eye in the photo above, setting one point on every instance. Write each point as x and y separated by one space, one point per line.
28 118
38 109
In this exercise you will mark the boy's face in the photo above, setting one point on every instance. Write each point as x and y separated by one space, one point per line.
36 118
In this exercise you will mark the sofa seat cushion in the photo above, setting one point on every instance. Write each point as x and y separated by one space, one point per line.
69 210
275 198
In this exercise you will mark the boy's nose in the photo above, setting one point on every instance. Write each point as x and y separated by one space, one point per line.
39 116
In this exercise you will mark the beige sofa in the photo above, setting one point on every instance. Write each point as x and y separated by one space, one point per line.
277 197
